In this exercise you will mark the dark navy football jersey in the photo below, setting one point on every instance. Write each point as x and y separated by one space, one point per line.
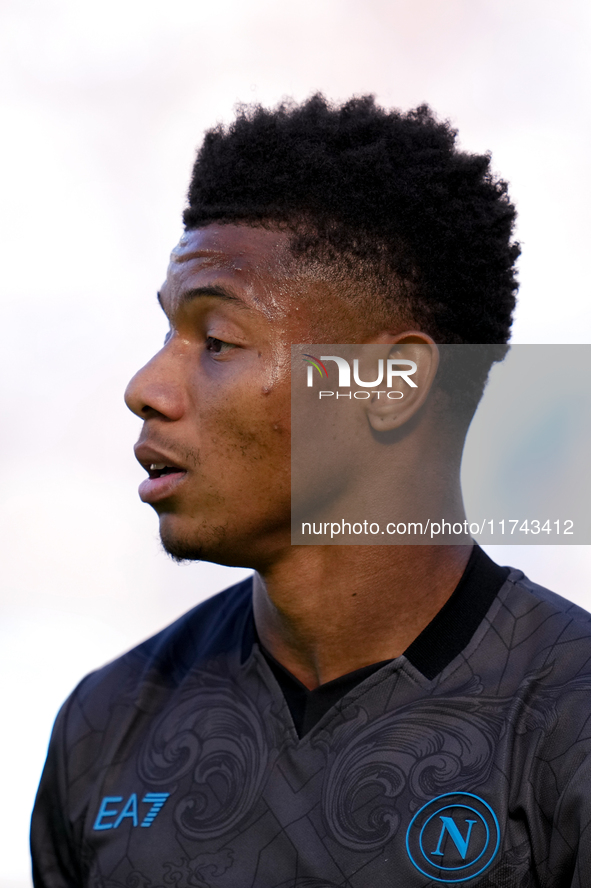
191 762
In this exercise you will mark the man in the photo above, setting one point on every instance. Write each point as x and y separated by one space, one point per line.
363 716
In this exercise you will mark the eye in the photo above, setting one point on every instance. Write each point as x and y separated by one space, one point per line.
217 346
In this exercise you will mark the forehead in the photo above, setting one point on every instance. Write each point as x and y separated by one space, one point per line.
256 270
243 253
241 245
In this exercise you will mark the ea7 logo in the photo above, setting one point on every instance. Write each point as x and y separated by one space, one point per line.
111 817
454 837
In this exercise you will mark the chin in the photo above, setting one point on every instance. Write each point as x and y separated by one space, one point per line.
182 550
206 543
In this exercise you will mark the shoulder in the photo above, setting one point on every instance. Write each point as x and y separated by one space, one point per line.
543 615
537 654
551 702
206 634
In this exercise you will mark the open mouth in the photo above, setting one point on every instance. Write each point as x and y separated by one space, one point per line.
157 470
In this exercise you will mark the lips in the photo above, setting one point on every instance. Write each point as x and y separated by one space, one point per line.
165 474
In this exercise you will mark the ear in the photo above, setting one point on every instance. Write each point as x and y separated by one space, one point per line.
411 366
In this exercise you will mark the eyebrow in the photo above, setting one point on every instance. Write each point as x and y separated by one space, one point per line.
211 290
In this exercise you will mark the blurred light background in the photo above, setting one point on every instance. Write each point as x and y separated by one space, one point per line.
103 105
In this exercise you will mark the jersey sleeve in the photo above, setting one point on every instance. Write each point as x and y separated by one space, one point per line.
570 849
52 842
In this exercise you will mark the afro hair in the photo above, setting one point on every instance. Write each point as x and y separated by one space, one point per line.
384 191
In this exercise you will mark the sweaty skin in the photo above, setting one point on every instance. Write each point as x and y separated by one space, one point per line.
215 403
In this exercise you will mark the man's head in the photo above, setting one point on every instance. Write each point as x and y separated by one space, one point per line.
305 224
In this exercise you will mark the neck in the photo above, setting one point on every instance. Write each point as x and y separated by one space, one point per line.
324 611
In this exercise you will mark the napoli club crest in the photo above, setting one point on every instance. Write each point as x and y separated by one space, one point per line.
454 837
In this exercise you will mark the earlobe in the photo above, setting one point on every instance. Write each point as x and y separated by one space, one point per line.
412 365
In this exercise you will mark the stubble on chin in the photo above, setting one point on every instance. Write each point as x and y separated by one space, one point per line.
200 546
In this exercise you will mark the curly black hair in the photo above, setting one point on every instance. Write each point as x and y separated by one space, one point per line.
385 192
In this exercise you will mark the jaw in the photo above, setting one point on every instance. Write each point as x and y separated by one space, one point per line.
205 543
223 539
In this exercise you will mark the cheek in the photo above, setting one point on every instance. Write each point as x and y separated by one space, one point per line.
247 433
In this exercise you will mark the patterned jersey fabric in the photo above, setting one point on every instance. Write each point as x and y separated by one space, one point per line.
466 761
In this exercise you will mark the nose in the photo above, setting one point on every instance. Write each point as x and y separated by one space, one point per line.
156 390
